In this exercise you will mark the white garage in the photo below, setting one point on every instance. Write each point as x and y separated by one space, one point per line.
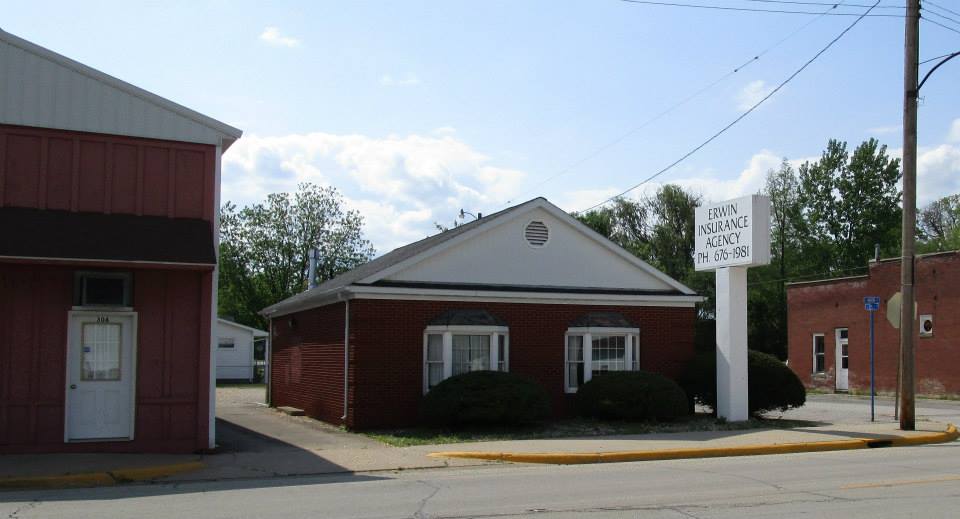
235 350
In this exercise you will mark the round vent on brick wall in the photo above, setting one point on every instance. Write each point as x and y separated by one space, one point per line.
536 233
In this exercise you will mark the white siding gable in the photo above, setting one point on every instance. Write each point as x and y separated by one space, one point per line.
40 88
502 256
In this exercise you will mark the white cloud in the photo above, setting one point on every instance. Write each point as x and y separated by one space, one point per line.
954 135
884 130
401 184
938 172
406 81
273 36
752 93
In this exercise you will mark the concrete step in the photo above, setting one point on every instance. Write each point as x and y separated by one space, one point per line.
292 411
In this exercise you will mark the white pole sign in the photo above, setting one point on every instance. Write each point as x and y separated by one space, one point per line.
731 236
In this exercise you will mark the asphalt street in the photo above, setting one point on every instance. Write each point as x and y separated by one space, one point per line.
916 482
882 483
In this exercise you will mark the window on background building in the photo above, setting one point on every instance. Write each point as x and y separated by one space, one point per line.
819 354
593 352
454 350
225 343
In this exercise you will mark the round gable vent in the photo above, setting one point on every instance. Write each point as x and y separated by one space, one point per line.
536 233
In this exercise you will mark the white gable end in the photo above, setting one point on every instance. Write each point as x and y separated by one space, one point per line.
510 254
41 88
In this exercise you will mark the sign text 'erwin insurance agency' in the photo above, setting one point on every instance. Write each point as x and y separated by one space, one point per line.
734 233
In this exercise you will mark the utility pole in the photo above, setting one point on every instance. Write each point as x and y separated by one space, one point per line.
911 58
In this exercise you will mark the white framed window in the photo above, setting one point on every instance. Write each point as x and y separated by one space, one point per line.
225 343
590 352
819 354
450 350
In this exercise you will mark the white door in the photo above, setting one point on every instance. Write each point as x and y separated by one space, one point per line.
843 360
100 376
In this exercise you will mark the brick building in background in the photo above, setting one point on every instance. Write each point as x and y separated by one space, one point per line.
108 226
529 290
829 330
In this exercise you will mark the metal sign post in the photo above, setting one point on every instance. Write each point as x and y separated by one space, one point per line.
872 304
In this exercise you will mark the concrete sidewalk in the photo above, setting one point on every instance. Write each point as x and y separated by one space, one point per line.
697 444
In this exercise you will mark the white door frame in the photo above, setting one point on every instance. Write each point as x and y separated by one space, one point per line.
838 354
88 312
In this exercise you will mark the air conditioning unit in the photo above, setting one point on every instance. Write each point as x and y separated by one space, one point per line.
926 326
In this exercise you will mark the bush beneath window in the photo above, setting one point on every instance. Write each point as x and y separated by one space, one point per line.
771 384
632 395
485 398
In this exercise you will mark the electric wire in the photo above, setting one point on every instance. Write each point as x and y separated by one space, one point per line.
676 105
799 277
943 16
936 58
753 9
741 116
796 2
939 24
938 6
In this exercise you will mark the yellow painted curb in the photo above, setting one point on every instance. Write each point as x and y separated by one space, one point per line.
572 458
99 479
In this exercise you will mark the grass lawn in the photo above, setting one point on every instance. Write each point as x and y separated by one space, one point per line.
571 427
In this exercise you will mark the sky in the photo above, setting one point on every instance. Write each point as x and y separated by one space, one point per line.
415 110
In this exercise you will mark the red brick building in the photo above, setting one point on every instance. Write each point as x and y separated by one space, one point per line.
829 330
108 231
528 290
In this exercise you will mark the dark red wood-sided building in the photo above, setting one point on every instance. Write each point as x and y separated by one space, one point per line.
829 329
528 290
108 232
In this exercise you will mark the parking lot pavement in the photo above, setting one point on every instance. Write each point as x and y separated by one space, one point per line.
256 441
854 409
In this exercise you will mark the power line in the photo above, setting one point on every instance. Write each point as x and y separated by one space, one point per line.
742 116
945 17
752 9
682 102
796 2
799 277
941 7
940 24
936 58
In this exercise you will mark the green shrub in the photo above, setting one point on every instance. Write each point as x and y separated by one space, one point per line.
485 398
771 384
631 395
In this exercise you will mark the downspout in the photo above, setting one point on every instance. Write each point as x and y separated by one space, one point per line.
346 354
268 358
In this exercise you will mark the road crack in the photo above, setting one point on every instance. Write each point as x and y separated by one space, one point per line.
419 513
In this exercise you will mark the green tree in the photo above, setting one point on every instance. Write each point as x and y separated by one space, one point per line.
658 229
767 298
850 202
938 225
264 248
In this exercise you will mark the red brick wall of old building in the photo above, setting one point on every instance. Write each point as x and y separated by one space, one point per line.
386 353
822 307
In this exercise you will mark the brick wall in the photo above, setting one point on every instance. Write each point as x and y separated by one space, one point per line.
386 361
825 306
306 367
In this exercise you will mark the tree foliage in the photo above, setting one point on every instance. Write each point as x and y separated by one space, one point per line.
264 248
826 217
938 225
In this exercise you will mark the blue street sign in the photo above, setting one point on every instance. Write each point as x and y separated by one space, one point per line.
871 303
